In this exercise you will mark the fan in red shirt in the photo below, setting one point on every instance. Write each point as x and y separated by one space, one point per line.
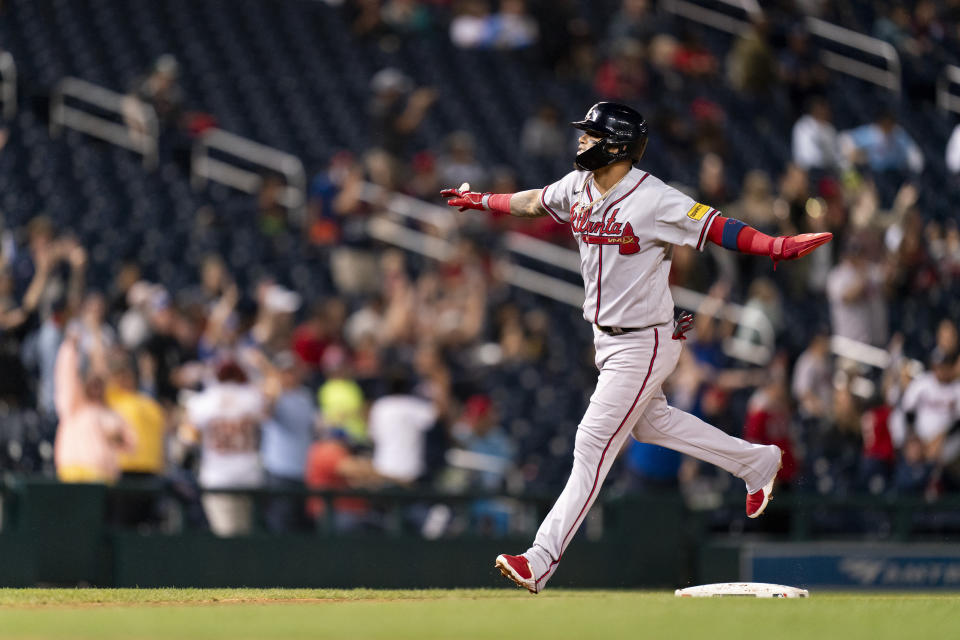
768 422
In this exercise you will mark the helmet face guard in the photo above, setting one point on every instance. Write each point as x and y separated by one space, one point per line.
622 132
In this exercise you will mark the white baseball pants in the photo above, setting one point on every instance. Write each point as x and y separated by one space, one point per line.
628 401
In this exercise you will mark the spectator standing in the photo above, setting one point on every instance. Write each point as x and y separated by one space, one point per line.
334 464
815 143
287 433
396 111
855 290
931 407
399 422
813 379
490 455
162 354
144 463
340 398
768 422
90 436
479 432
228 415
879 458
882 145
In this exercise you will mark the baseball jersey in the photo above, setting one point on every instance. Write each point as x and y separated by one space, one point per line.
625 238
229 417
937 407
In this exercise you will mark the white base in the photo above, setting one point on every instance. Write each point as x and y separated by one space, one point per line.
749 589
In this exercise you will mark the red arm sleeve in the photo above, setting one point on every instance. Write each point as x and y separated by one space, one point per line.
727 231
732 234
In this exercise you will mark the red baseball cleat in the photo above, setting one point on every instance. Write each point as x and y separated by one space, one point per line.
758 500
517 568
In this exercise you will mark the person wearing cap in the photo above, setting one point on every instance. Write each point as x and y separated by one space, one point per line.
286 436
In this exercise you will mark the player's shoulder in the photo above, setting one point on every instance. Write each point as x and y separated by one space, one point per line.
574 180
651 182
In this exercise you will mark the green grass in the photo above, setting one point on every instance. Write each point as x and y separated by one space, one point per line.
235 614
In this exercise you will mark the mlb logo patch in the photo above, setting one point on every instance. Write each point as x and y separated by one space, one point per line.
698 211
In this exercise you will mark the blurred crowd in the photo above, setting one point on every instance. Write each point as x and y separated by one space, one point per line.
423 373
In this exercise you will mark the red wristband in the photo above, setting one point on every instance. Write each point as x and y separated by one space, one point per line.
499 202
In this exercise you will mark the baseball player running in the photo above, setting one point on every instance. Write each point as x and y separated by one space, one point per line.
625 222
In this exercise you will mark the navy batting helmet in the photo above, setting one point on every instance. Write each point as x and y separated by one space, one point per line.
620 128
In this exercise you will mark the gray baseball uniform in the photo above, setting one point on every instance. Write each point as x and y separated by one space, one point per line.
625 238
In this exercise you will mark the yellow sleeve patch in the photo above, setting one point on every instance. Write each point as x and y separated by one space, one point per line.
698 211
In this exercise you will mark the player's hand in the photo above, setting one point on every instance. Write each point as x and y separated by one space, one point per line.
683 323
792 247
464 198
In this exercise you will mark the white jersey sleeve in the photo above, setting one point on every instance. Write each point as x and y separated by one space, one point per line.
682 221
557 198
911 397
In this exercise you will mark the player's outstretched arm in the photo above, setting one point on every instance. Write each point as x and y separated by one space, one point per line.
523 204
732 234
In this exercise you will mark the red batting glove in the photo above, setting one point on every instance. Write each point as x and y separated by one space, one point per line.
792 247
464 198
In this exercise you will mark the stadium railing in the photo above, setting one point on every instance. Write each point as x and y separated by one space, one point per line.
886 75
236 170
841 49
8 85
947 100
737 21
137 130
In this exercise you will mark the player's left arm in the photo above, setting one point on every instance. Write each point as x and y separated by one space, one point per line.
735 235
